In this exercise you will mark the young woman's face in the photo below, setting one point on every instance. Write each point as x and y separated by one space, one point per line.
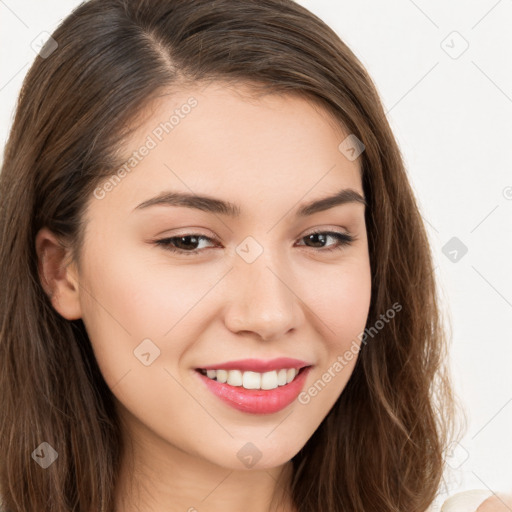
253 286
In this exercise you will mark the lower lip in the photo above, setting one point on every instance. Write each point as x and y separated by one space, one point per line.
257 401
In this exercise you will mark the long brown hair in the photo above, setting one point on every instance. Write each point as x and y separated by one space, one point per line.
381 447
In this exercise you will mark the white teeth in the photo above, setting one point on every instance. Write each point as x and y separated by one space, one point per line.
251 380
254 380
269 380
234 378
222 375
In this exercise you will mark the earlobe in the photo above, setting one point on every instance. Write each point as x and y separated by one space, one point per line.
57 275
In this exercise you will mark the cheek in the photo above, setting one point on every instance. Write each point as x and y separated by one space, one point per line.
135 297
339 312
339 296
145 295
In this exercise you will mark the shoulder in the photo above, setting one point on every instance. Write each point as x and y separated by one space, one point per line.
478 500
497 503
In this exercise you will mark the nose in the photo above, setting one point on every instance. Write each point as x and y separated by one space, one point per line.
262 300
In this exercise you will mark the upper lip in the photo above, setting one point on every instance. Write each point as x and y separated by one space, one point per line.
258 365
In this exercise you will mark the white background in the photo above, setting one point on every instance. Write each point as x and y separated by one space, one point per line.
451 112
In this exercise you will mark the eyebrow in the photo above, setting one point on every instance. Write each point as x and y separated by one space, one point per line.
219 206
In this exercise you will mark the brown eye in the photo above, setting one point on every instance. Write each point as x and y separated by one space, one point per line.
319 238
183 244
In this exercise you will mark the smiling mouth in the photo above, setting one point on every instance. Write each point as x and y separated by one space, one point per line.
254 380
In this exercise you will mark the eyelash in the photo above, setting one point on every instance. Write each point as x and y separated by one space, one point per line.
344 240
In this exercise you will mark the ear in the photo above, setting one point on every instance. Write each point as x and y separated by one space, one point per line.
58 276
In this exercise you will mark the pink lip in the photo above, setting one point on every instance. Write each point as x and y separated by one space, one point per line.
257 401
258 365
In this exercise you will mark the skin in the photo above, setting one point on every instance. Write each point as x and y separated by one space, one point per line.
500 502
271 155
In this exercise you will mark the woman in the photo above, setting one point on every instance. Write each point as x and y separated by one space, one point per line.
295 359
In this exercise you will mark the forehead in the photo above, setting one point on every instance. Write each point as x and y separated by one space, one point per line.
226 141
